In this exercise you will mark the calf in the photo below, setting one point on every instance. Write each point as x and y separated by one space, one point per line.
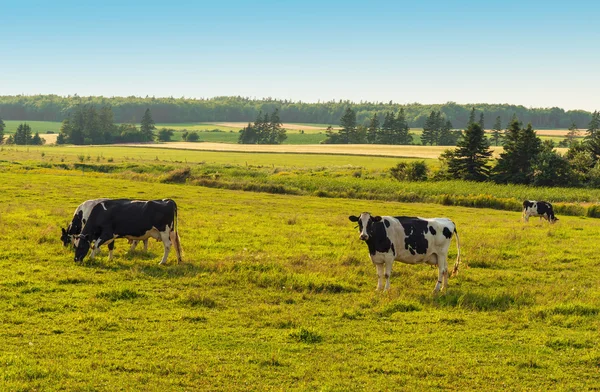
80 217
543 209
131 219
408 240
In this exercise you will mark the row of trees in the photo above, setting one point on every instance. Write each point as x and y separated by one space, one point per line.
171 110
526 159
266 129
23 136
88 125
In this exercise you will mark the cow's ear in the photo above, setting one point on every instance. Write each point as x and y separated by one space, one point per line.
80 214
376 218
353 218
63 231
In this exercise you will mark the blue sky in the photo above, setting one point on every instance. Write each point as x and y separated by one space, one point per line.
533 53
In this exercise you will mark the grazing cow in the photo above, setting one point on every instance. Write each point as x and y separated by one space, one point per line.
408 240
543 209
80 217
131 219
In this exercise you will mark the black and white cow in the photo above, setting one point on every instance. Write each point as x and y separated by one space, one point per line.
408 240
80 217
543 209
131 219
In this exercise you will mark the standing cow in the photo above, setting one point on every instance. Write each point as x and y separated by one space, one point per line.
408 240
80 217
132 219
543 209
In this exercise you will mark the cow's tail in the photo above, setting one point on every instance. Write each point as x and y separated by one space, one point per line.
457 263
175 235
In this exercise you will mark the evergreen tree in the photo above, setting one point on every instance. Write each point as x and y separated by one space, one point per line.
248 135
549 168
387 129
276 132
36 140
2 127
482 122
23 135
348 127
592 138
497 131
521 147
447 137
572 135
401 130
471 117
429 130
469 160
373 130
147 126
61 138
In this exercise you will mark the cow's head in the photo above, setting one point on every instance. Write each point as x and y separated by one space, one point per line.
365 224
82 248
553 219
65 237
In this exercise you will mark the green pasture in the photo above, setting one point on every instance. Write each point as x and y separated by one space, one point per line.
276 292
119 154
36 126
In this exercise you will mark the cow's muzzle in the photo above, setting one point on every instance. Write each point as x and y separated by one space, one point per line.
364 237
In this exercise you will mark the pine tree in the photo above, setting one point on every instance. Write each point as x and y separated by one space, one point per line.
447 137
387 129
592 138
469 160
497 131
429 130
36 140
61 138
471 117
401 130
147 126
521 147
23 135
2 127
348 127
276 131
572 135
373 130
482 121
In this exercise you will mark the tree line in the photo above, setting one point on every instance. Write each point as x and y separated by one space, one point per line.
525 159
23 136
266 129
240 109
88 125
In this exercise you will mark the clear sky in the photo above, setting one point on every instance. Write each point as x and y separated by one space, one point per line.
533 53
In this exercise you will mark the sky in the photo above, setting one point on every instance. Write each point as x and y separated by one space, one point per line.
532 53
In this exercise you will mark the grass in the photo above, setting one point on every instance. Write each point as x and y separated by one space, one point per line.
276 292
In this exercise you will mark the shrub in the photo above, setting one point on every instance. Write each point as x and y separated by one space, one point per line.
593 211
412 171
193 137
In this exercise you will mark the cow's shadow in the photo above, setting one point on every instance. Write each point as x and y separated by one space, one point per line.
461 299
146 263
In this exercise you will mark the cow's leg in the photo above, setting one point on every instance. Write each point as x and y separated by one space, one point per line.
388 272
133 245
165 237
380 272
443 265
111 246
146 245
104 237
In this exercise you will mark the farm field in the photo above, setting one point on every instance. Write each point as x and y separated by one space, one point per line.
227 132
276 292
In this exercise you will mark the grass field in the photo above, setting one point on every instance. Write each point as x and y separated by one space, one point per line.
276 293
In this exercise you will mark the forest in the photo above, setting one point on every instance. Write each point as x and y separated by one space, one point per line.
180 110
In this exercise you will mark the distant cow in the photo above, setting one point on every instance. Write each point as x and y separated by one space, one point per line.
131 219
80 217
408 240
543 209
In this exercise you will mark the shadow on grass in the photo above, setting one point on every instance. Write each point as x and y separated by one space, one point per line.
479 302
